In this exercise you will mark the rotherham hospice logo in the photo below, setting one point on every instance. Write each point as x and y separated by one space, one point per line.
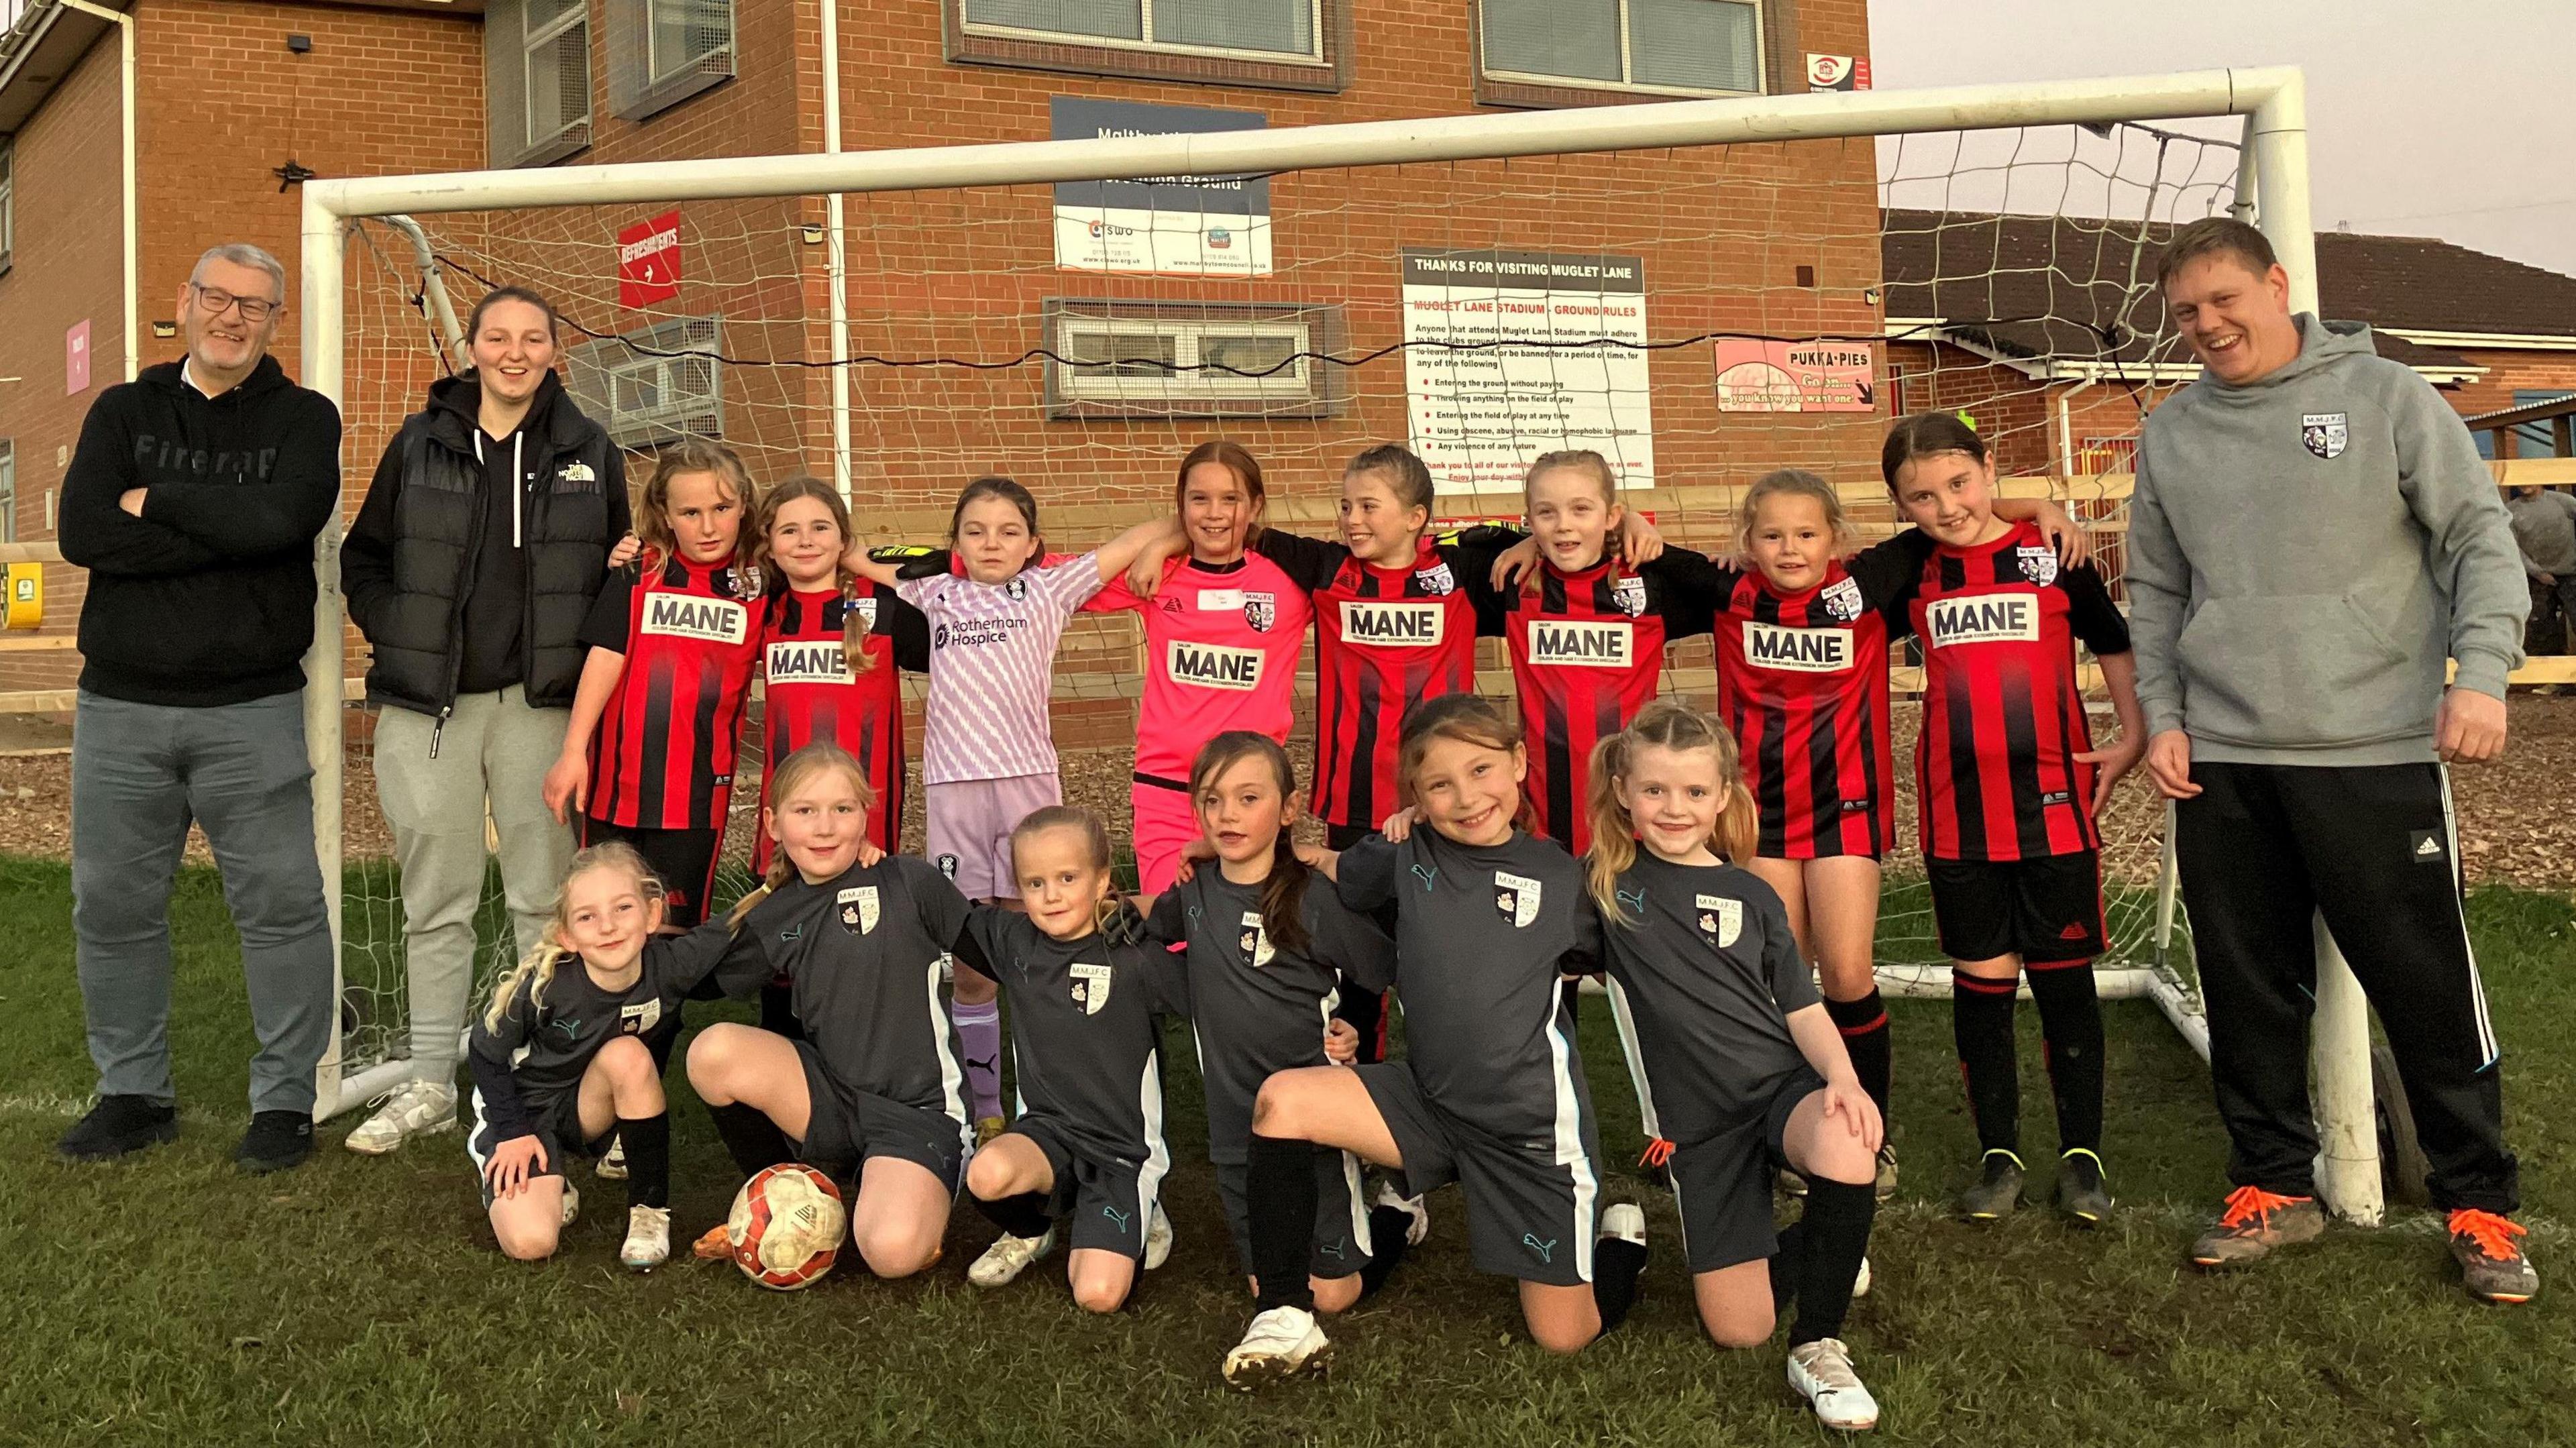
1213 666
807 663
716 620
1585 644
1393 625
1801 650
1988 619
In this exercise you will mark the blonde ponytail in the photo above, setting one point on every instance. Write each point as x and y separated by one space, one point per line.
537 968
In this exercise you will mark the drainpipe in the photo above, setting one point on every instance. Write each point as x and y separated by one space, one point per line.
125 28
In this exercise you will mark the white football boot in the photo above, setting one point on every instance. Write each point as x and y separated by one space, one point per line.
1158 1239
1008 1257
1281 1343
611 1166
1822 1373
416 1108
648 1238
571 1205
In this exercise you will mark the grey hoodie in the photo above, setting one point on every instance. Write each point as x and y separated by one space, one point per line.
2306 551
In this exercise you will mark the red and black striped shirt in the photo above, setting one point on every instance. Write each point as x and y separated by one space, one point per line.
809 693
1587 653
1385 640
2002 717
1802 680
663 757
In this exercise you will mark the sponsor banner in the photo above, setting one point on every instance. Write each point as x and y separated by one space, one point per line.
1511 354
1756 376
648 261
1195 226
1837 72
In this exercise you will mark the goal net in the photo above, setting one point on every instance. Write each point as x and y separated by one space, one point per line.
1700 291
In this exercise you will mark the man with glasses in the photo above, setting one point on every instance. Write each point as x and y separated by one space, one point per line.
193 501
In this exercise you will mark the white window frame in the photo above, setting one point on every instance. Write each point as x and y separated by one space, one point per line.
8 204
1145 28
1295 384
655 75
8 490
577 13
1627 62
598 368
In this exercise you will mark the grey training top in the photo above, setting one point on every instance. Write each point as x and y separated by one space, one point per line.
546 1039
1483 936
2544 528
1259 1007
1709 973
1082 1031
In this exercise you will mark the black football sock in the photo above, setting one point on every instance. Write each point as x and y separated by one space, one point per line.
1863 1024
1981 1020
1785 1260
648 1158
2070 1023
1024 1215
1387 1246
750 1137
1616 1262
1279 1187
1836 1227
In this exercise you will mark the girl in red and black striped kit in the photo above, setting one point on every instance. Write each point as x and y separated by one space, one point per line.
2005 775
648 754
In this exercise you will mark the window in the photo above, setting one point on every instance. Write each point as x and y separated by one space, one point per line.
1133 359
1685 47
1289 44
665 51
537 72
8 201
8 491
655 384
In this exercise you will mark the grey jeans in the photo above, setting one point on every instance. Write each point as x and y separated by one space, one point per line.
140 774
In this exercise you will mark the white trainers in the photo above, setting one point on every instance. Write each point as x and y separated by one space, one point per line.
1008 1257
1822 1373
1158 1239
1625 1221
416 1108
1281 1343
648 1238
1860 1281
1417 1211
611 1166
571 1205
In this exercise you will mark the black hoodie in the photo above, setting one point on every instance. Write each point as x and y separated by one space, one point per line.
207 598
473 562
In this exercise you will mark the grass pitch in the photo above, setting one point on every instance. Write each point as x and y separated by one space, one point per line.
170 1299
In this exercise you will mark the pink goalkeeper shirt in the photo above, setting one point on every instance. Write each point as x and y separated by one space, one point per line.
1221 649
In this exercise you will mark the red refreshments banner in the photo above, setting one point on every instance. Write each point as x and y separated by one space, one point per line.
648 261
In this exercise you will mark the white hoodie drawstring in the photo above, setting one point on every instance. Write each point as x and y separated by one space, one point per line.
518 485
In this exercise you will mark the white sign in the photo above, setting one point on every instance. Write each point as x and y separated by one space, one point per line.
1512 354
1174 225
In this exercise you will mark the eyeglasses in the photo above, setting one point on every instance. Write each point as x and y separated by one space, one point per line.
216 302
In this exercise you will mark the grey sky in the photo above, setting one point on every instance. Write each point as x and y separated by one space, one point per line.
2454 119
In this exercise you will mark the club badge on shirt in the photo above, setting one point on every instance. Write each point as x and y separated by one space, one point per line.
1016 589
2038 564
1260 610
1437 580
1517 897
637 1017
1091 987
1842 599
2325 433
1721 920
858 909
865 607
1256 940
1630 594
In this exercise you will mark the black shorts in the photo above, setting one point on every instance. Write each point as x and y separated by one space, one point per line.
2047 909
1110 1200
845 1128
1342 1245
1529 1215
684 859
1722 1186
558 1124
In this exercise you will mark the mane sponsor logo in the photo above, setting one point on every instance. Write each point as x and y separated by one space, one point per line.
1582 643
1993 618
1393 625
807 663
680 615
1214 666
1802 650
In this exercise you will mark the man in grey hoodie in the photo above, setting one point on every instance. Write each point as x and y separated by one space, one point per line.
2312 540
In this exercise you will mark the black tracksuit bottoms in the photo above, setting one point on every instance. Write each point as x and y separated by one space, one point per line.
2263 849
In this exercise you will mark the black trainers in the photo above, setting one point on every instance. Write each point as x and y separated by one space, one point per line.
1997 1189
276 1141
118 1125
2083 1198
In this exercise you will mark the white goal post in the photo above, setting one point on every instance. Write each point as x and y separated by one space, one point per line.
2273 177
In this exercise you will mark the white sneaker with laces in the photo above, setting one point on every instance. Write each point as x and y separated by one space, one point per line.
611 1166
1158 1239
571 1205
1008 1257
648 1238
1822 1373
1281 1343
416 1108
1414 1208
1625 1221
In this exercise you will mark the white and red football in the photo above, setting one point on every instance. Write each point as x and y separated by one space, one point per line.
786 1226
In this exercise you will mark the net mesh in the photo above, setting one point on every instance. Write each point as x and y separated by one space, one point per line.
1700 316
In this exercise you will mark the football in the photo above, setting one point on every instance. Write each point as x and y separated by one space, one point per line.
786 1226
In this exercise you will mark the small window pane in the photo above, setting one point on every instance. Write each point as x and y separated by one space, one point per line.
1281 25
541 11
1574 38
639 391
1108 19
1693 44
558 83
1256 355
684 32
693 376
1099 353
